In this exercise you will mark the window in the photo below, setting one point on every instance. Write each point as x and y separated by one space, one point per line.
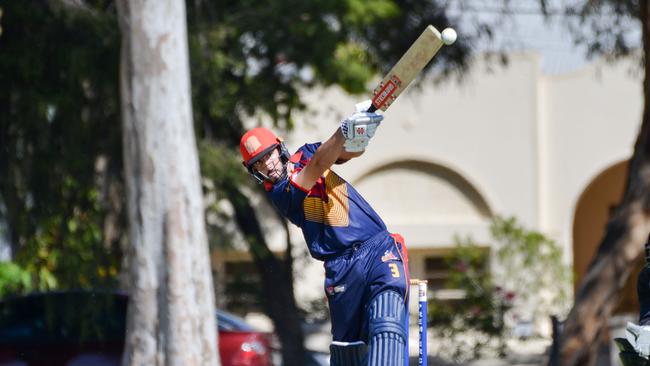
440 268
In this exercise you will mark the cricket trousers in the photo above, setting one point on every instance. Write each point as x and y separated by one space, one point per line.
355 277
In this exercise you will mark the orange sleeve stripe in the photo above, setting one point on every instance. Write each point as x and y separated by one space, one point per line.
334 212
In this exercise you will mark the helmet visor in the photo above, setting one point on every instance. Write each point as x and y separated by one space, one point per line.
259 156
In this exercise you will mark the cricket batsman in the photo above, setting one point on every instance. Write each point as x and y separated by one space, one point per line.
366 267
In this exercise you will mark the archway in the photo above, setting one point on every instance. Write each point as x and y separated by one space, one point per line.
429 204
412 191
592 211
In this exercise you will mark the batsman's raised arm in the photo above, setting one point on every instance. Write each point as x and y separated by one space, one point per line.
348 141
325 156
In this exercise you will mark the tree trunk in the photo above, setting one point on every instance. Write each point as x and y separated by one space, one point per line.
277 282
627 231
171 315
5 241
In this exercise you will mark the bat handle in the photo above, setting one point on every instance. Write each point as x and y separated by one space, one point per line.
372 108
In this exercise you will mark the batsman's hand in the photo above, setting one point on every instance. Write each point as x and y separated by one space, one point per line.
639 338
362 106
358 129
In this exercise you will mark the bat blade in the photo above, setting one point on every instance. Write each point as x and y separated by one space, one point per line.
406 69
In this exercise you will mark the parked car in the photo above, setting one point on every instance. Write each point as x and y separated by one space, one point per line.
88 328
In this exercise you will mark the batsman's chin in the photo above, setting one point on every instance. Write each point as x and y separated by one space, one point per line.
274 176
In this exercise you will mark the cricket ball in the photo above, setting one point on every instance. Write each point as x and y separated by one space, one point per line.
448 36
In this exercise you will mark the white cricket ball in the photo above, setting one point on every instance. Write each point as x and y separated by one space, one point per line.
448 36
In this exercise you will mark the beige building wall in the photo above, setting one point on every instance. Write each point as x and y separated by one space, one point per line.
591 121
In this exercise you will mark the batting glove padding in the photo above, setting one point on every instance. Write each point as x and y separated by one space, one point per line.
358 129
639 338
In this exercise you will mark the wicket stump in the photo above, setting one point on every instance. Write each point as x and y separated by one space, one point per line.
422 320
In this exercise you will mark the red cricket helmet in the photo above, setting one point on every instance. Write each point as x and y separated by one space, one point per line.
258 142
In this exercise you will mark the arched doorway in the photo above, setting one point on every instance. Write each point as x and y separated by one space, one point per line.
414 191
593 209
429 204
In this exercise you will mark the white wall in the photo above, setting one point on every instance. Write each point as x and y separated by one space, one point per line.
592 119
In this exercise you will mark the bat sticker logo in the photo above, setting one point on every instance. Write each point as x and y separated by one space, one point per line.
385 93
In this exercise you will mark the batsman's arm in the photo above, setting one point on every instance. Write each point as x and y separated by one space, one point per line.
326 155
346 156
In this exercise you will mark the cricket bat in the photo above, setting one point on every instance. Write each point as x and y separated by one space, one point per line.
407 68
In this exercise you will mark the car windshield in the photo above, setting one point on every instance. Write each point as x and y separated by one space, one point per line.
78 317
63 317
229 322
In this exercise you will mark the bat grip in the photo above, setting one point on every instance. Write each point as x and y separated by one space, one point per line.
372 108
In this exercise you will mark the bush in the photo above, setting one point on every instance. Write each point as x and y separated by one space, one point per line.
521 277
14 279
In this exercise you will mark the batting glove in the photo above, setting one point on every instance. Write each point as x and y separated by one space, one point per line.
362 106
358 129
639 338
360 125
356 145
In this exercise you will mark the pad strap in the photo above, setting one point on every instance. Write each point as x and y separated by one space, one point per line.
348 353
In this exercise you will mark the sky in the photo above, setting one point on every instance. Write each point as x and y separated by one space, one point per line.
527 29
551 40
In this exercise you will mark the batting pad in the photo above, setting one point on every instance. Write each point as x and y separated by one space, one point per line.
386 331
347 353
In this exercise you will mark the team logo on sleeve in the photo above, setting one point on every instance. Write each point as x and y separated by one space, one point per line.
388 256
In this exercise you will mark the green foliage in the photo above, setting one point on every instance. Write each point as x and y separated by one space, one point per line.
361 12
531 264
58 117
14 279
475 325
69 252
222 165
524 278
255 56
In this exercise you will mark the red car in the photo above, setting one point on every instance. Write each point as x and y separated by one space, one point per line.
88 328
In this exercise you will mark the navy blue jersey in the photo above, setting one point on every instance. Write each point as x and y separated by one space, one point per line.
332 214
